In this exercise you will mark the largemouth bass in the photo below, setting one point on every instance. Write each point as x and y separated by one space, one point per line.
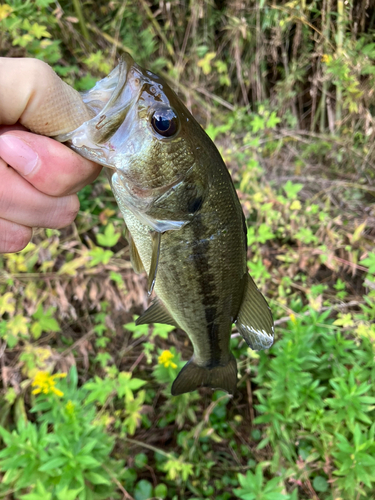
185 224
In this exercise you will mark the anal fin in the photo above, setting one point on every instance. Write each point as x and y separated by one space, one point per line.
156 313
254 320
193 376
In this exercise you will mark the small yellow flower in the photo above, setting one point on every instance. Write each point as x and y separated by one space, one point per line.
296 205
165 359
325 58
258 197
293 318
5 10
46 383
70 407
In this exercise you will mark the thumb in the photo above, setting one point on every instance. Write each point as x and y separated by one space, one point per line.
35 96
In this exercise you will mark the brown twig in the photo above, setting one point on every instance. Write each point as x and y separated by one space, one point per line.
126 496
137 361
250 401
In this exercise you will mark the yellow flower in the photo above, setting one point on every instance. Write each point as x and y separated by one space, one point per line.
325 58
45 383
293 318
165 359
70 407
258 197
296 205
5 10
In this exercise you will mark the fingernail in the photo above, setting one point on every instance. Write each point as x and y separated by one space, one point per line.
18 154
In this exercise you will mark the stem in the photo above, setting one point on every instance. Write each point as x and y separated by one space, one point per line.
340 36
157 28
258 49
81 19
324 86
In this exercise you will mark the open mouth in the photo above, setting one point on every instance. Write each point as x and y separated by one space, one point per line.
109 102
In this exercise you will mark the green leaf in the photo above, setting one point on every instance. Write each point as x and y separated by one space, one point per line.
205 63
273 120
136 383
161 491
43 3
99 389
87 461
140 460
7 303
44 322
320 484
66 494
292 190
162 330
53 464
257 123
99 256
40 493
138 330
96 478
143 490
109 238
369 262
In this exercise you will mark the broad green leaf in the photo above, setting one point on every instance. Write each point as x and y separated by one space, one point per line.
143 490
96 478
109 238
54 463
66 494
320 484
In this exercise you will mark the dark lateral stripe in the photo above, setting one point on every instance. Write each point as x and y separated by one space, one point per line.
244 227
206 281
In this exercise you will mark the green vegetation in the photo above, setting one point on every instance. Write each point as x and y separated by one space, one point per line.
286 91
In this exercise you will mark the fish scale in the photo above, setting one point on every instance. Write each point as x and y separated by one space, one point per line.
184 220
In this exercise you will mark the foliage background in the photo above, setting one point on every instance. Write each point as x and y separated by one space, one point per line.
286 90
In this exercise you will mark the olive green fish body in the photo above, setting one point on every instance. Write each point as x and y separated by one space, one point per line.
201 269
185 223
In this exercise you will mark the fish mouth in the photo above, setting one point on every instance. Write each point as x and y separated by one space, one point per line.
109 102
113 103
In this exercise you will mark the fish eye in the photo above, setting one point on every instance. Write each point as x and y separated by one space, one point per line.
165 122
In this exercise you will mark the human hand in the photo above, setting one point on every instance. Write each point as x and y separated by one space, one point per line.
38 176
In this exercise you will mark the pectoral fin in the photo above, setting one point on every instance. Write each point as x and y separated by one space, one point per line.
193 376
156 313
156 239
135 259
254 321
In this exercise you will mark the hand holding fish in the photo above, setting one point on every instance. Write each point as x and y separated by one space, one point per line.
39 176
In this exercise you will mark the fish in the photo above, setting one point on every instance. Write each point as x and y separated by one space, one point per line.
184 221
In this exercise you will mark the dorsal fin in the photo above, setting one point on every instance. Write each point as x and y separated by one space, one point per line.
156 313
254 321
156 239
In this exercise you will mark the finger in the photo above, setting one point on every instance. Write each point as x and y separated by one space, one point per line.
48 165
21 203
13 237
38 98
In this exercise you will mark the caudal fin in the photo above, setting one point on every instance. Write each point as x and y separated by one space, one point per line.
192 376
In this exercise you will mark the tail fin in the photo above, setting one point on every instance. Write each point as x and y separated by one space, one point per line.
192 376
